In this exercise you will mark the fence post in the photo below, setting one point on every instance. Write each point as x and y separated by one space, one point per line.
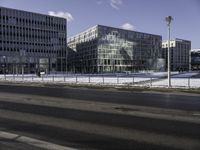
151 82
64 78
188 82
117 79
133 80
76 79
103 79
89 78
4 76
32 77
53 78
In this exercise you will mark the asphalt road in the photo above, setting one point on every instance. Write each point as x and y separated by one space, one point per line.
27 111
165 100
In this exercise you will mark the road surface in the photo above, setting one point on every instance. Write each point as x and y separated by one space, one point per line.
100 119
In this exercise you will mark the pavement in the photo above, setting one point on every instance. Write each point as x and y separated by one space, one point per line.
10 141
13 145
80 118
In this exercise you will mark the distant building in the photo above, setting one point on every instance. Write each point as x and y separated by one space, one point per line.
180 54
108 49
195 59
31 41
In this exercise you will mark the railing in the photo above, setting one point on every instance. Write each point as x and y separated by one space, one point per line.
104 80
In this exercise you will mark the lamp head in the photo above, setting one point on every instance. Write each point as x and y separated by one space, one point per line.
168 19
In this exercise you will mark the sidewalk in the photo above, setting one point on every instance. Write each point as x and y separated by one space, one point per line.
11 141
9 144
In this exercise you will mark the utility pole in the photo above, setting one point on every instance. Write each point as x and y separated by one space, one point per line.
168 19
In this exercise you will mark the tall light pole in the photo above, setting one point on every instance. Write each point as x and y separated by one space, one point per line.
169 19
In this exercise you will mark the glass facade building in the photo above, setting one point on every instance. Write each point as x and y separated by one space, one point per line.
195 59
31 41
108 49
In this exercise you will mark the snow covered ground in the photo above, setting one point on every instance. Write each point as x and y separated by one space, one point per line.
184 79
75 79
178 82
158 79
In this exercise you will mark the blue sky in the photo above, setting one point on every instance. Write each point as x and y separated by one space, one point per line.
140 15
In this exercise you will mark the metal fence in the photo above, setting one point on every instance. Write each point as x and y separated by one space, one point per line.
104 80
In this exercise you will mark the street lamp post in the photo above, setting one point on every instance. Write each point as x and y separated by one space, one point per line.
168 19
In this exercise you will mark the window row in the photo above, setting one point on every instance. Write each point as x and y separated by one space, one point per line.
29 22
31 50
31 43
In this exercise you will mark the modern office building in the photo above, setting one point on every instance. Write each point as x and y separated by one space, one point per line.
180 54
195 59
31 41
108 49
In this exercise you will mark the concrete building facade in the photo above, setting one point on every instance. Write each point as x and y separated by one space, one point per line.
31 41
107 49
180 54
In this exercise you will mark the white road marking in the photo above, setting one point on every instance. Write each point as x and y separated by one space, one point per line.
33 142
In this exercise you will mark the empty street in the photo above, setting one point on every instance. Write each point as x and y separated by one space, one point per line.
83 118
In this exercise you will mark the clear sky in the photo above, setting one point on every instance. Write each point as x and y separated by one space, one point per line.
140 15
